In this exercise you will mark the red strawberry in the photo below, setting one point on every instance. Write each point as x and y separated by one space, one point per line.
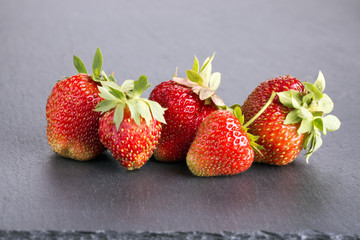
294 120
72 124
131 126
188 102
221 146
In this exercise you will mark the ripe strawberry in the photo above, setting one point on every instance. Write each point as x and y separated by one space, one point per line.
131 126
72 124
221 146
294 120
188 102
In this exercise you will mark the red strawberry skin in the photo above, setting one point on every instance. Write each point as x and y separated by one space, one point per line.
221 147
282 143
72 125
185 112
131 145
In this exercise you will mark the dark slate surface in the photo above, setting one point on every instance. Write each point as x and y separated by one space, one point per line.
253 41
264 235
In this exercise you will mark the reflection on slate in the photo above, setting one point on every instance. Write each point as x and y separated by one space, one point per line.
310 234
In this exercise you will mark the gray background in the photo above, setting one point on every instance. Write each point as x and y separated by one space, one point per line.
253 41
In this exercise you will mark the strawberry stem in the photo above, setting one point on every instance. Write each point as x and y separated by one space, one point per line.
273 94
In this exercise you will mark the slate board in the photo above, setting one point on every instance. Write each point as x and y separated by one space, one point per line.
70 235
253 41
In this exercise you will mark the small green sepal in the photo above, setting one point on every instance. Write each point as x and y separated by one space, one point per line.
79 65
140 86
292 117
97 63
194 77
195 65
331 123
112 77
320 82
119 114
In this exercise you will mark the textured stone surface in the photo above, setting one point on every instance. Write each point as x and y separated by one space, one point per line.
253 41
72 235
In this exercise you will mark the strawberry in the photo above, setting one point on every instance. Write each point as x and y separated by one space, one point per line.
72 124
293 121
188 101
130 126
221 146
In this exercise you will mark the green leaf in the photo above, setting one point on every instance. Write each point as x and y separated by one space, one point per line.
292 117
318 142
325 104
79 65
96 78
320 82
119 115
308 98
305 126
117 93
290 99
195 67
253 137
127 85
156 110
311 88
296 98
97 63
194 77
235 105
215 80
206 62
105 76
112 77
104 93
257 147
285 98
332 123
308 140
304 113
315 142
315 145
144 110
206 74
105 105
130 94
135 113
140 86
308 155
319 124
109 85
238 114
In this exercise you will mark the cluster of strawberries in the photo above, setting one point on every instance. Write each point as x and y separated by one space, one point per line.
185 119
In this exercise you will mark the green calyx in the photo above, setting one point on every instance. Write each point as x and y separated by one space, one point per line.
310 109
97 74
202 81
128 96
236 110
